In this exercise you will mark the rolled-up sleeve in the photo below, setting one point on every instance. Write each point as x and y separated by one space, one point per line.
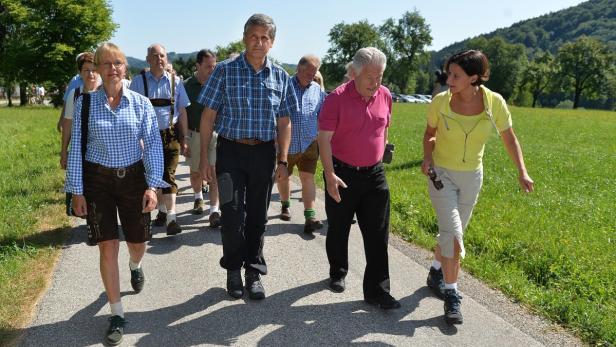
213 91
153 160
74 167
328 118
290 104
181 97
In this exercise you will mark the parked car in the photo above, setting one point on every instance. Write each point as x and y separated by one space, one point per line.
423 98
411 99
395 97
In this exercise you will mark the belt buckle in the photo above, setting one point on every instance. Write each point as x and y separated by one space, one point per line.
121 172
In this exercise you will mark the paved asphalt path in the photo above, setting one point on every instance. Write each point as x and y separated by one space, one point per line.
184 302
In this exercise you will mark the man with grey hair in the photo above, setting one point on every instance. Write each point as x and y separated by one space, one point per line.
249 99
352 136
304 151
169 98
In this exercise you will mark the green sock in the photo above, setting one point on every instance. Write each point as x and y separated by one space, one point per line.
286 203
309 213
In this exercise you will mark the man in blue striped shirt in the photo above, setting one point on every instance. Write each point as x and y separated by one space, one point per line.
250 100
156 84
304 151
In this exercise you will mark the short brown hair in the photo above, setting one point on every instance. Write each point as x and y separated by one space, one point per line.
473 63
85 57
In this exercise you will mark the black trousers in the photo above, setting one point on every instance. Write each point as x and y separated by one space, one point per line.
245 175
367 196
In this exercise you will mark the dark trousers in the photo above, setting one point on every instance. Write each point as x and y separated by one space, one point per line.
367 196
245 175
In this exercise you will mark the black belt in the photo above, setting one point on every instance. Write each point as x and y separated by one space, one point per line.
118 172
160 102
353 167
249 142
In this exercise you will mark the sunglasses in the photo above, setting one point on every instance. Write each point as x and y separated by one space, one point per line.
437 183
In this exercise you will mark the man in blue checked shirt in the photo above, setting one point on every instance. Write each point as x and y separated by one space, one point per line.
157 84
116 176
304 151
250 100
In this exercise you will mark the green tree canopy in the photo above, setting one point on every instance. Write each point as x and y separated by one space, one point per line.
406 40
42 37
507 61
539 74
585 66
223 52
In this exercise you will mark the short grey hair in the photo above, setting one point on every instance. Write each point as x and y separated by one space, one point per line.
310 59
368 56
151 48
260 19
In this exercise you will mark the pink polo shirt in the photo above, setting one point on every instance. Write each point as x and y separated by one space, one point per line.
358 126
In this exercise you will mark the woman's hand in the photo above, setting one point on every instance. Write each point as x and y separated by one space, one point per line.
425 165
79 205
527 183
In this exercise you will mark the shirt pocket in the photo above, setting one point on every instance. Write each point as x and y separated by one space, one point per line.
237 95
379 123
274 94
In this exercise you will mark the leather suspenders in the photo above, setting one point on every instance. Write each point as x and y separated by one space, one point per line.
162 102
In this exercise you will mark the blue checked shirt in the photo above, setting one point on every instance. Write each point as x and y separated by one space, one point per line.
114 138
304 121
248 103
161 89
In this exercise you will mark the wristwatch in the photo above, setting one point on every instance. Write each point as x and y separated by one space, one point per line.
285 163
152 189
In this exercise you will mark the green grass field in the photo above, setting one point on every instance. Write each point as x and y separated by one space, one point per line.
554 249
32 225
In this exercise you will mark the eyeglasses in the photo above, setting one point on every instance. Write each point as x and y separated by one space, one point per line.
116 64
89 71
438 184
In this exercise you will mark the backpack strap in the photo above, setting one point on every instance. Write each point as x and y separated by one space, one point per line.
76 94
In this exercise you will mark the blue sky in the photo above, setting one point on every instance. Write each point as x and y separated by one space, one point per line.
303 27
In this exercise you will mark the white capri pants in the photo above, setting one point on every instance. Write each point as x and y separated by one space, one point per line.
453 205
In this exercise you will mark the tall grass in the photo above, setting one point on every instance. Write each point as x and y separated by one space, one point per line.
554 249
31 220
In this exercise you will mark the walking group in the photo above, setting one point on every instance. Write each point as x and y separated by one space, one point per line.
244 124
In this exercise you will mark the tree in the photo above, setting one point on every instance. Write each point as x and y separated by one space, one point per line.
184 68
585 65
507 61
539 74
346 40
223 52
406 41
42 37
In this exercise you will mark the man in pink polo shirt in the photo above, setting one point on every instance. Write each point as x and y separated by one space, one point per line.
352 136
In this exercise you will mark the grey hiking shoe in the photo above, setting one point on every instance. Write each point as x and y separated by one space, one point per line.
115 332
254 285
436 282
137 279
452 307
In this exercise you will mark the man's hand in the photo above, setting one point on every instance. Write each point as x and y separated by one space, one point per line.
184 149
63 159
149 201
282 173
79 205
333 182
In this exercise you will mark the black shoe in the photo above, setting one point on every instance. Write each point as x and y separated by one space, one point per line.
198 207
384 301
235 287
173 228
285 214
214 220
137 279
436 282
337 284
452 307
311 225
116 330
161 219
254 285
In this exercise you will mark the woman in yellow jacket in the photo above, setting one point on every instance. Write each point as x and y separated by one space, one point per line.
460 121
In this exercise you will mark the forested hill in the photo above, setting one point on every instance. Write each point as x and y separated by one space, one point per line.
594 18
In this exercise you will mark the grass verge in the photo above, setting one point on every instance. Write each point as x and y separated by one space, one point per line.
32 223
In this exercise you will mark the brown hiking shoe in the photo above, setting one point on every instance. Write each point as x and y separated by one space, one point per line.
285 214
173 228
198 207
214 220
161 219
311 225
